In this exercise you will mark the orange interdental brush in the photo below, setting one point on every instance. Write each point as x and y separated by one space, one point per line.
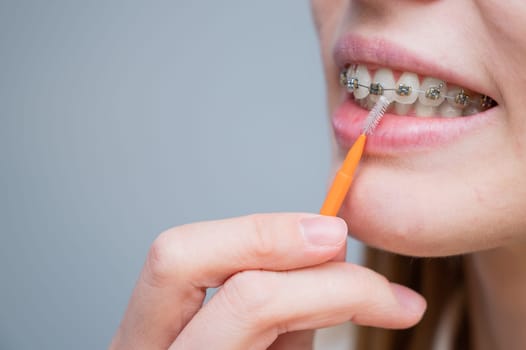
343 179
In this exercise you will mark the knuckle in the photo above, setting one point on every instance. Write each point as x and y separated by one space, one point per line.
263 244
372 285
365 275
377 289
249 294
164 258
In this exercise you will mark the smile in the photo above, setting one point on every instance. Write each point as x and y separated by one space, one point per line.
412 95
433 104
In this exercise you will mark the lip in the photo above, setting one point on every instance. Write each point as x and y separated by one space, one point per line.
397 133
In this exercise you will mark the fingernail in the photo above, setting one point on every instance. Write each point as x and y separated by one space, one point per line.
408 299
324 230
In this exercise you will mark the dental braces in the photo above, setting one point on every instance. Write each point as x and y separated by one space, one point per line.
461 100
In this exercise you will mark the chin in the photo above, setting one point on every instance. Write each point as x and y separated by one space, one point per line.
423 215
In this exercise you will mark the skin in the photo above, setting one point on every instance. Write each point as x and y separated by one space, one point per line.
468 196
257 260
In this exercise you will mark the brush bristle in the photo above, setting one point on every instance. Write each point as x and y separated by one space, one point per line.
375 115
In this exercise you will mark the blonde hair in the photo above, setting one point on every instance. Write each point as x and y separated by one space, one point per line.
437 279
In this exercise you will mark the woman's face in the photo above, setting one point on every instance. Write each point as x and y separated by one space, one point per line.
433 182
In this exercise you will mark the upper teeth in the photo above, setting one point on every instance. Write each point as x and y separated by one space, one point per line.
430 97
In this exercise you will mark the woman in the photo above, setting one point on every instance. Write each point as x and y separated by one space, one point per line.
443 176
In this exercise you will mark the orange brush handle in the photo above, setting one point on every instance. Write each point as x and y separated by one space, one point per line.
343 179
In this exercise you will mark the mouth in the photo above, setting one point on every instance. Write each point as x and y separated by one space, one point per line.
410 94
430 105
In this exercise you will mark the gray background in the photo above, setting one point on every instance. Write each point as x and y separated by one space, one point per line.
121 119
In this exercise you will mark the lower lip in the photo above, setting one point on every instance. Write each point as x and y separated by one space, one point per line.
397 133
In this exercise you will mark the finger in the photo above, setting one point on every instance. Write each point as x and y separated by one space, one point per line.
270 242
341 255
254 307
184 261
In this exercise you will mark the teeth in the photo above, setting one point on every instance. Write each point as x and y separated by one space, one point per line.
364 79
346 81
407 80
368 102
421 110
458 97
470 110
430 98
483 102
487 102
385 78
449 111
402 109
432 92
372 98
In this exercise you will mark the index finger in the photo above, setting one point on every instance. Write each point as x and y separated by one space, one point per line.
209 252
184 261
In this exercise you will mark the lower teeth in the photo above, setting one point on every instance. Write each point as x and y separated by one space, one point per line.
445 109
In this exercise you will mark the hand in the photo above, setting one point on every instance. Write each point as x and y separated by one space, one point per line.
276 278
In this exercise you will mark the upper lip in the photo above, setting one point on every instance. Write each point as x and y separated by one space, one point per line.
356 49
